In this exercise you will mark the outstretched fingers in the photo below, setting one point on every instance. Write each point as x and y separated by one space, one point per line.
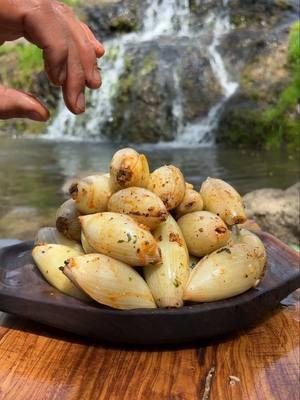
70 50
18 104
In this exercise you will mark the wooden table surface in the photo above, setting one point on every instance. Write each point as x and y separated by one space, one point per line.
40 363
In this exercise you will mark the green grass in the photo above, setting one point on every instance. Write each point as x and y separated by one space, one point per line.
281 117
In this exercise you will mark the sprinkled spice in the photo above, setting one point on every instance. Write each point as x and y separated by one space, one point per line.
176 283
174 237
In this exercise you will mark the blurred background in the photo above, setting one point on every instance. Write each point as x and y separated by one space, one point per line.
210 86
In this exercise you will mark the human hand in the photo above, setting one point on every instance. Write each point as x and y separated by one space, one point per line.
18 104
70 52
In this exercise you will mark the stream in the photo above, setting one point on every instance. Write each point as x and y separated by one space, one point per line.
33 171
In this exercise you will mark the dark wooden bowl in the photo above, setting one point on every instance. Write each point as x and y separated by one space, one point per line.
24 292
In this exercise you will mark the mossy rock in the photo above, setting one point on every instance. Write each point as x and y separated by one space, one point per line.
123 24
24 222
156 78
264 113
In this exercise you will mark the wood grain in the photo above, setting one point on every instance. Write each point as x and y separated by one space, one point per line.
42 363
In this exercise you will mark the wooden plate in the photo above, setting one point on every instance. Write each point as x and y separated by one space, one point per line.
24 292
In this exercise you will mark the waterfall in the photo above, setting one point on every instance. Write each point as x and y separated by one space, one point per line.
202 131
161 18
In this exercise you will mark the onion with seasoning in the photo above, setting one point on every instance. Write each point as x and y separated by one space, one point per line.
91 194
50 259
222 199
141 204
227 272
109 281
121 237
167 280
118 222
67 221
192 201
128 168
203 232
168 183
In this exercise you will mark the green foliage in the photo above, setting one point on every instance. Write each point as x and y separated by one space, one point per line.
21 62
28 60
72 3
294 45
277 123
282 118
5 49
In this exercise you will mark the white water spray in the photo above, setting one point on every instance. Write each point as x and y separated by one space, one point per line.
162 18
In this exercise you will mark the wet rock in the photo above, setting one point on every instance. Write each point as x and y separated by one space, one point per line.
260 13
199 7
245 117
45 90
256 53
276 211
164 83
169 83
24 222
115 17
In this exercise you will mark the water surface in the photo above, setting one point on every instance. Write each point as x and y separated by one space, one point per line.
33 171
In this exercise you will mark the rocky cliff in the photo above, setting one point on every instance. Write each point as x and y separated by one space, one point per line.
168 83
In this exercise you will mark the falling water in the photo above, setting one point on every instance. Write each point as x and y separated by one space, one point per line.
202 131
162 17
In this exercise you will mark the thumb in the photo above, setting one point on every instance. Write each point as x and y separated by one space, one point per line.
18 104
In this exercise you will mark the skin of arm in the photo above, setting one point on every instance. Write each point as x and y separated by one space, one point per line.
70 52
